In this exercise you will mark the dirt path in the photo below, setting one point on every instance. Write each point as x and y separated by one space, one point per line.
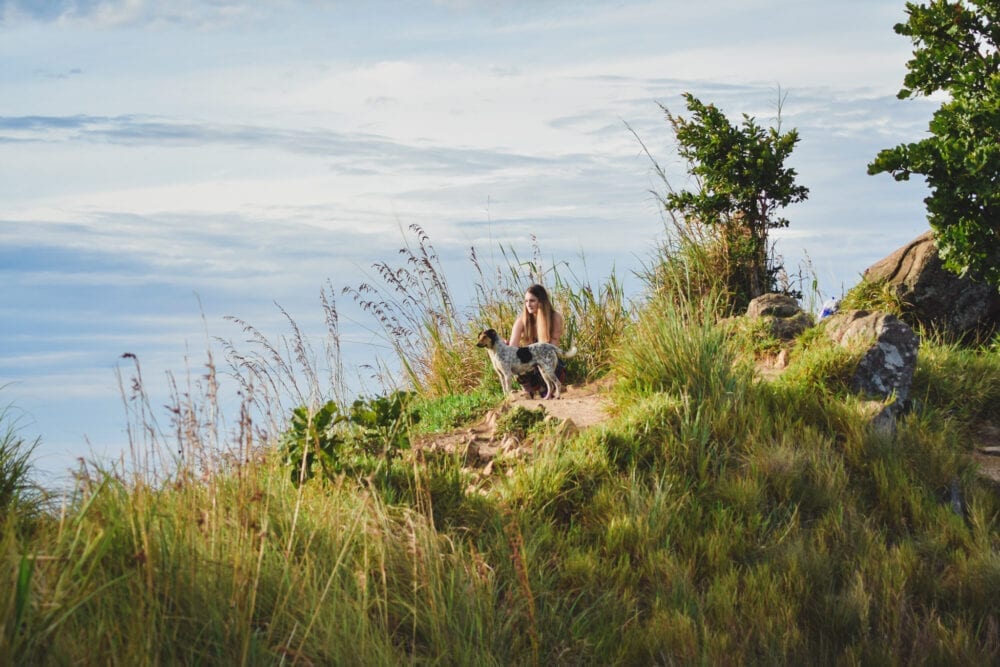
580 407
584 405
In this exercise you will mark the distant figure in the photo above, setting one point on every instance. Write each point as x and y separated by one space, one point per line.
831 306
538 323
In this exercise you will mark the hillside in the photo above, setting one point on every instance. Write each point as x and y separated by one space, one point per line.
587 405
686 508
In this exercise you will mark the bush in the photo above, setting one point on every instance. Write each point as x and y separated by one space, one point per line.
357 443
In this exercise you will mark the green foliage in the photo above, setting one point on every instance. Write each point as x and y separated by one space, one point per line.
955 52
20 497
963 384
875 295
743 182
753 335
330 442
820 366
385 420
596 319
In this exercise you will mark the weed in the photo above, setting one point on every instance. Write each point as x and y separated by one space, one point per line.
875 295
519 421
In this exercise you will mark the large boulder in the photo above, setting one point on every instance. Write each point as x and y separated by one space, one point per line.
937 299
782 312
890 357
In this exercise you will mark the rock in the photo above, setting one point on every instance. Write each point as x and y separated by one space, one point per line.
955 496
774 305
884 422
887 367
786 318
957 307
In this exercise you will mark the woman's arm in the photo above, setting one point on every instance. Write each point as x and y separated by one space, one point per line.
515 334
558 324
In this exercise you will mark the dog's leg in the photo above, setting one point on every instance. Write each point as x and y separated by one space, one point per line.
501 373
505 382
548 374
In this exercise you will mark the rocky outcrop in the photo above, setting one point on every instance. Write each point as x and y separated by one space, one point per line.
935 298
787 320
888 363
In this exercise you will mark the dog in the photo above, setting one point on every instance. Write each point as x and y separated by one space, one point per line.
510 361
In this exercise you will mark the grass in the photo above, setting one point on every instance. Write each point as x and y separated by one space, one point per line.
438 415
20 498
715 519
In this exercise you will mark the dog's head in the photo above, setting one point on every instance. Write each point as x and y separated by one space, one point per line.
488 339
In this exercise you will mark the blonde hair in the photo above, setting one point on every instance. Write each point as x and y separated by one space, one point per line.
541 321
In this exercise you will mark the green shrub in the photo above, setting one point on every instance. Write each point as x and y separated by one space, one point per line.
331 442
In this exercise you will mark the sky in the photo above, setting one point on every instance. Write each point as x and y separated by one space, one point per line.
167 166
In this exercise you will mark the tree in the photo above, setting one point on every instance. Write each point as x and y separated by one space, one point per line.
743 182
956 53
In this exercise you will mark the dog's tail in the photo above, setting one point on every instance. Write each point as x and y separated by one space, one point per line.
566 354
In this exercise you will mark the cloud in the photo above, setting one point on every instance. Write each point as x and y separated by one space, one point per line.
118 13
354 148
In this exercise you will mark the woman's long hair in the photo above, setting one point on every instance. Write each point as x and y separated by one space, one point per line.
541 321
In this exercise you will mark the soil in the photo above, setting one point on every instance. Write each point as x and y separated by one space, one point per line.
584 405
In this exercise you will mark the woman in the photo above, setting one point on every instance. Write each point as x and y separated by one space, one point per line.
538 323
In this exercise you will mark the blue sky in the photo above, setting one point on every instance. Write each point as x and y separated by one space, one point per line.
164 165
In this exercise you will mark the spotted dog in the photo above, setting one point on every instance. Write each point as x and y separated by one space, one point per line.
510 361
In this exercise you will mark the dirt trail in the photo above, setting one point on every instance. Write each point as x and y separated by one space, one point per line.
580 407
584 405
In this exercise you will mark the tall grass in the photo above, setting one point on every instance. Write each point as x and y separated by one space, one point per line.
433 340
717 519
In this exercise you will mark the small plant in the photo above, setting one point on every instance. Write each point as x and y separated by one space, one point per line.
331 442
311 439
875 295
519 422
